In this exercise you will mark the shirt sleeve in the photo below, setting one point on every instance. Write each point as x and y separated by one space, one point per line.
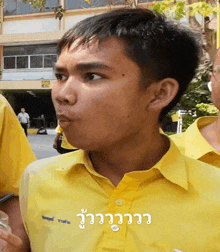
30 180
15 150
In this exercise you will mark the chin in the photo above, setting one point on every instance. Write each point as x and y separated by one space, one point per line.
76 143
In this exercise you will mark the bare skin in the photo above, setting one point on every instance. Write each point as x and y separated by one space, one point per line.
17 241
113 164
103 108
211 132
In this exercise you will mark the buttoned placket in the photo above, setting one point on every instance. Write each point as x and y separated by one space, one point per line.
119 203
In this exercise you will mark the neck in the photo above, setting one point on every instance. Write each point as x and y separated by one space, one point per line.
140 154
211 133
217 127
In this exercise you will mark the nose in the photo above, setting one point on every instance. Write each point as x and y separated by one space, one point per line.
65 93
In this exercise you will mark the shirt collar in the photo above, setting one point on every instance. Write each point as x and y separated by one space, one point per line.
171 165
197 146
71 160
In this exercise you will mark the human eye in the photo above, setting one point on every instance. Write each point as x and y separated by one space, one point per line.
92 76
60 77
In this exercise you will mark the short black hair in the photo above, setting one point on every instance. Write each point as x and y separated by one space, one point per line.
161 48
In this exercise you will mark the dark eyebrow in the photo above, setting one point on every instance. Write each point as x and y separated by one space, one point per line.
58 68
83 67
92 66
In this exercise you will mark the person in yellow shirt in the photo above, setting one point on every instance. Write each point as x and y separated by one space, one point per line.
128 188
202 139
60 142
15 155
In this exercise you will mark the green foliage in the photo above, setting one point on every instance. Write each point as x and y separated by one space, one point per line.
204 109
178 9
203 8
197 98
161 6
40 4
59 11
197 91
36 4
187 120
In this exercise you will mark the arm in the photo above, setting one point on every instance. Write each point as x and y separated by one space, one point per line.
18 241
15 155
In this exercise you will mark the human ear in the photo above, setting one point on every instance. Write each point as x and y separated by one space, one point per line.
163 92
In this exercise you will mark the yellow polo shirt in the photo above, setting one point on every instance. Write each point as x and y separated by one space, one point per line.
194 145
174 205
15 150
65 144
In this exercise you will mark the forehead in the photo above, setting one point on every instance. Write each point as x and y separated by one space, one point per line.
111 49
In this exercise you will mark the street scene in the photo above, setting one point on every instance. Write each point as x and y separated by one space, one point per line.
109 126
42 145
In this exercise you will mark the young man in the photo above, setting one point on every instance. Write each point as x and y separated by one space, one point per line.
202 139
129 188
15 155
23 118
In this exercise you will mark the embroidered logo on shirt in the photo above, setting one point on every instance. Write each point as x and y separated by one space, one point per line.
53 219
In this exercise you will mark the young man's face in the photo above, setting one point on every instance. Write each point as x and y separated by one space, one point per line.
98 96
216 81
22 110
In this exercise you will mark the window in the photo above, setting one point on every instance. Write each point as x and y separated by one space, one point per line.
9 63
30 49
22 62
30 56
36 61
49 60
81 4
12 7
